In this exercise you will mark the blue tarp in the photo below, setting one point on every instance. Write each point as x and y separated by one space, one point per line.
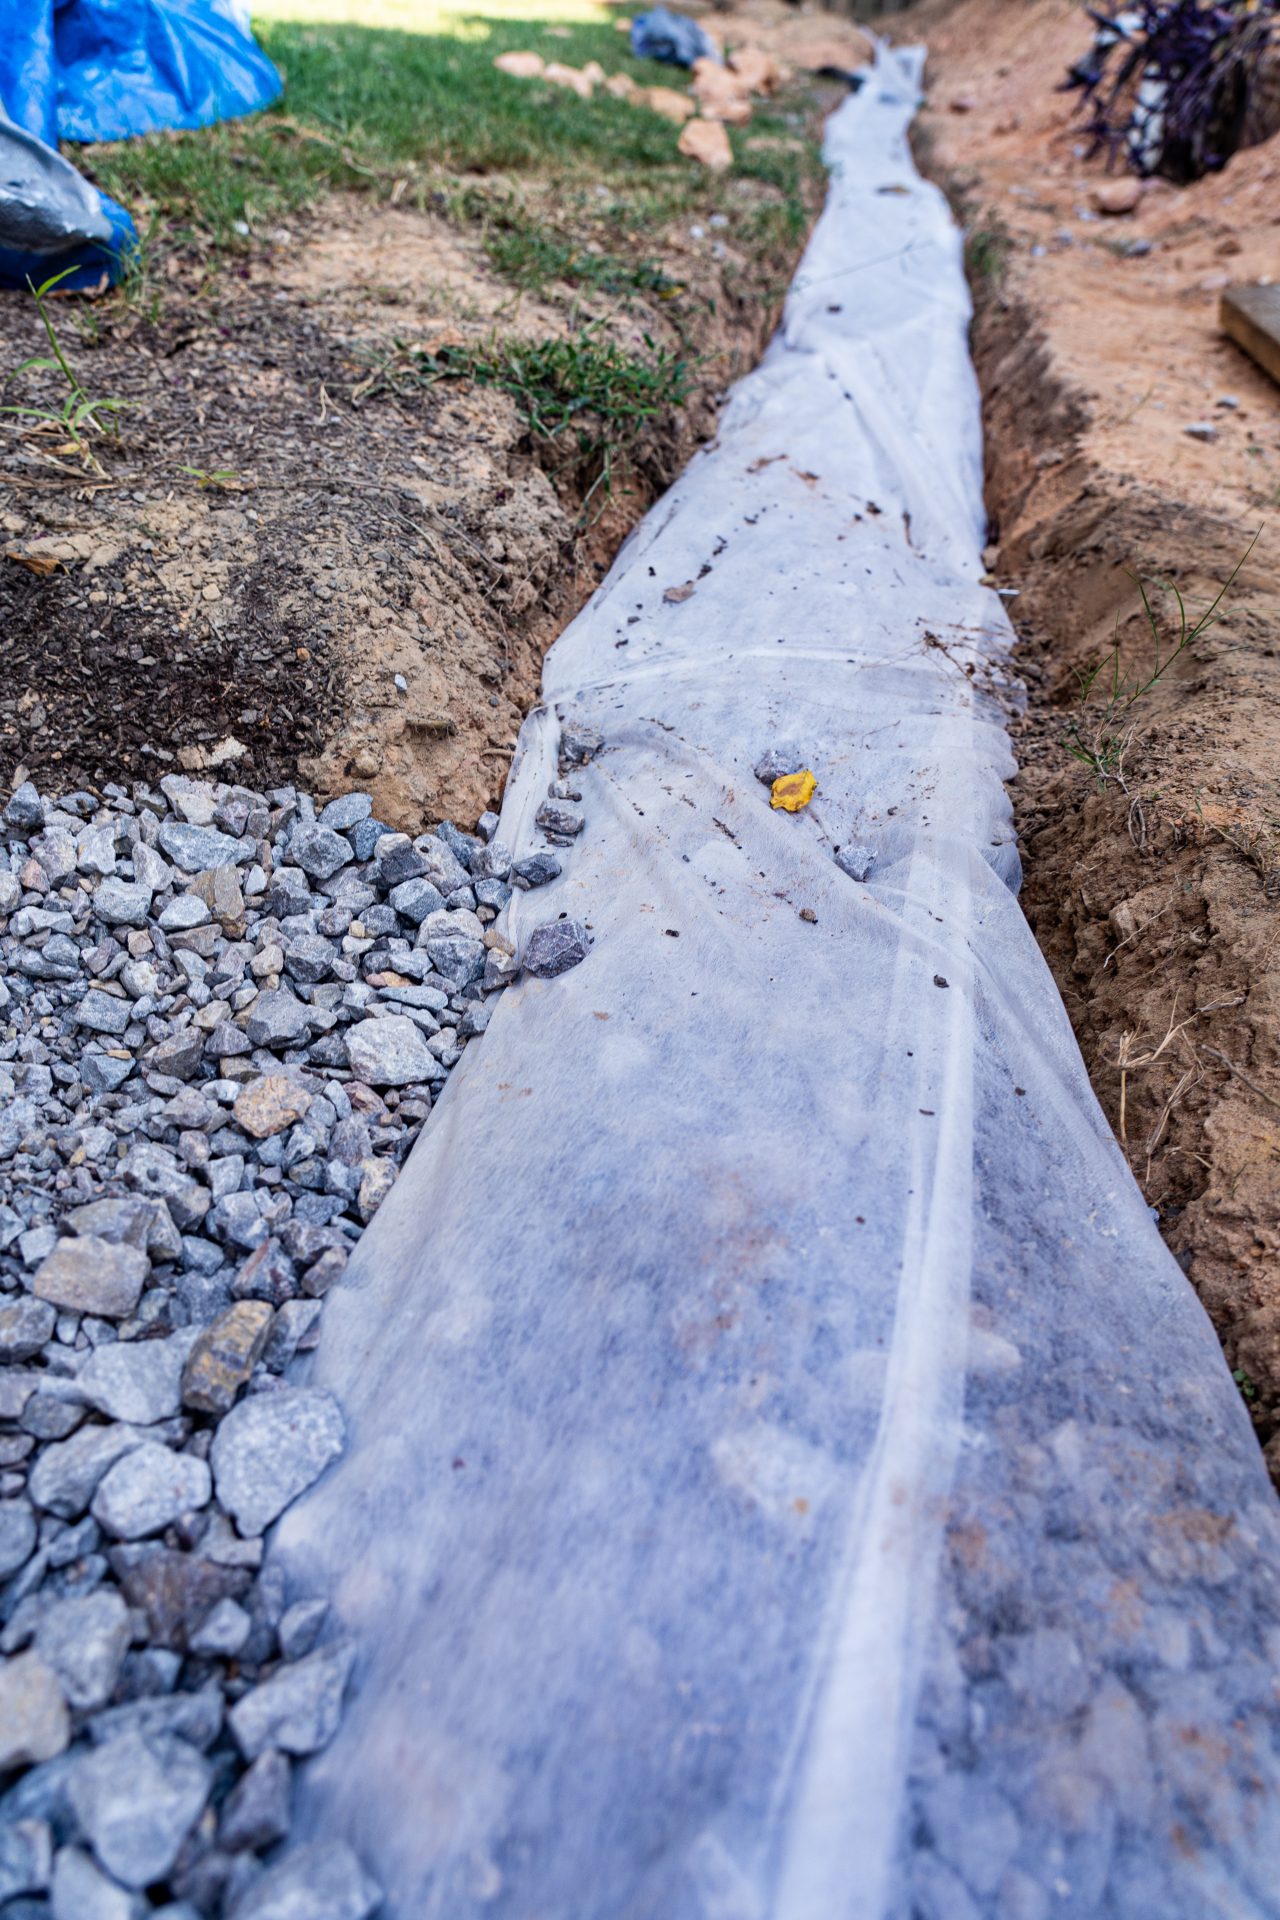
87 70
673 37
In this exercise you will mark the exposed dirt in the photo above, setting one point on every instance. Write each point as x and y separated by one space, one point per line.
300 561
1156 897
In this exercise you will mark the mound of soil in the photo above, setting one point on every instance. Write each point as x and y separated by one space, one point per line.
297 560
1155 894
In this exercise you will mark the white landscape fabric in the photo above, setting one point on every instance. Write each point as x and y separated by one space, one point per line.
789 1478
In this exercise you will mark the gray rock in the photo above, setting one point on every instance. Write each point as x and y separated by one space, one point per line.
300 1627
224 1632
25 811
500 969
554 947
85 1640
133 1220
56 852
34 1723
395 859
139 1381
149 870
103 1012
492 893
271 1447
535 870
267 1276
321 1881
137 1800
554 816
256 1814
26 1857
66 1475
857 862
195 848
148 1490
318 850
579 744
178 1056
185 911
122 903
298 1708
96 850
388 1052
193 1717
151 1169
17 1536
364 837
25 1326
441 864
91 1275
415 899
309 958
348 810
81 1891
1201 430
454 943
784 756
104 1072
278 1019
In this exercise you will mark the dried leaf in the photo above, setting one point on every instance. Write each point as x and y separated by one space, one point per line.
792 791
42 564
676 594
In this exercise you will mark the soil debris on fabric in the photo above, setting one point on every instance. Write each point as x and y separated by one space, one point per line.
1128 438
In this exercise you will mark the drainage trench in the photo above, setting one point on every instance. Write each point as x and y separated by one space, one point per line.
749 1511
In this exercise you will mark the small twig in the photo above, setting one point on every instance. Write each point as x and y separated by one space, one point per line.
1231 1067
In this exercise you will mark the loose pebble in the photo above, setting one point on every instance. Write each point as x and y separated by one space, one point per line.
224 1018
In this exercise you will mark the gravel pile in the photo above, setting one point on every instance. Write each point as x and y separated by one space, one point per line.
223 1020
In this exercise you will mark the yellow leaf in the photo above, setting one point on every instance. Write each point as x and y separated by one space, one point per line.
793 791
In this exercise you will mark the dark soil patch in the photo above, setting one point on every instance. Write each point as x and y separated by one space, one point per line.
303 557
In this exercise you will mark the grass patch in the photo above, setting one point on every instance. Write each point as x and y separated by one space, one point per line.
588 401
988 245
391 107
407 100
1101 733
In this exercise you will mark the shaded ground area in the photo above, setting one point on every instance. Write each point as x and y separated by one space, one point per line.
1153 881
389 406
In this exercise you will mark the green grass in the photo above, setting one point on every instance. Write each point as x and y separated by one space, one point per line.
588 402
413 94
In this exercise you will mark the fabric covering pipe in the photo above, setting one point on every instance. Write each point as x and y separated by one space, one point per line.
790 1479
